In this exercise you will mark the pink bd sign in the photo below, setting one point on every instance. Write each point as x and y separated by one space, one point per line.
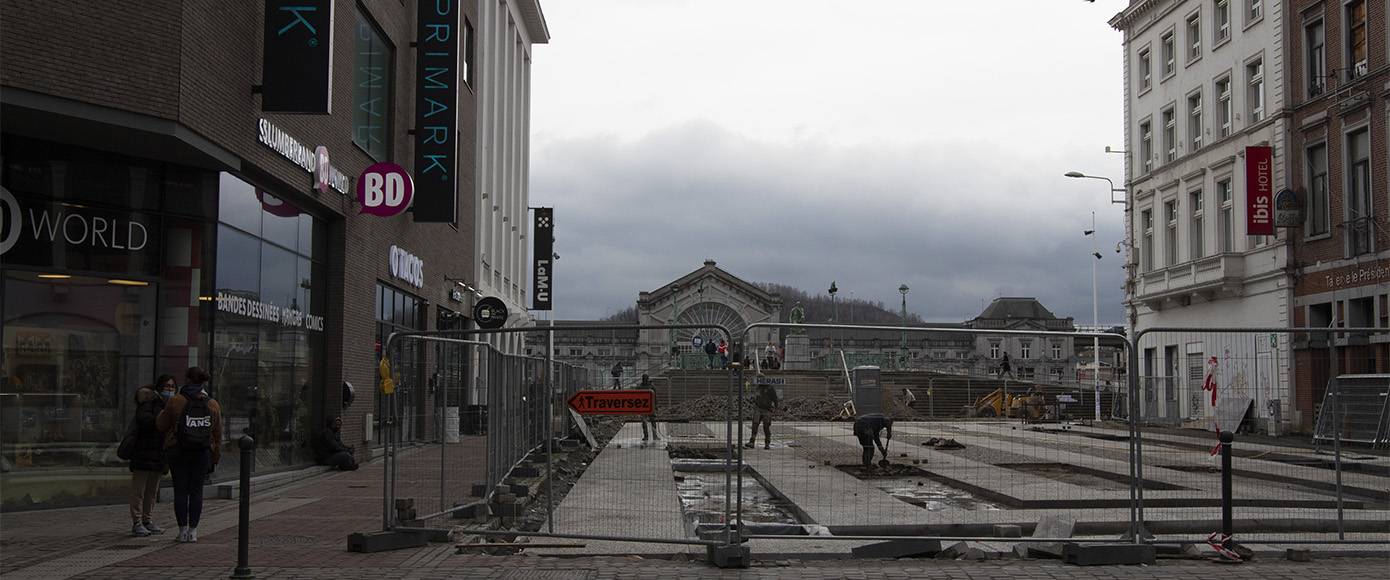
385 189
1259 191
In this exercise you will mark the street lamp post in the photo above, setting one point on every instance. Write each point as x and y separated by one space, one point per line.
902 343
675 315
834 313
1095 315
1095 309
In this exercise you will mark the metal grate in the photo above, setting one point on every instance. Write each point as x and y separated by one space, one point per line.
1360 404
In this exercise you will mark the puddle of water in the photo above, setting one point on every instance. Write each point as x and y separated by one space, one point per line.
702 496
931 495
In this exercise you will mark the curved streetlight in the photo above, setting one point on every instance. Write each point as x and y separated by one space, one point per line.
1095 304
902 344
1113 190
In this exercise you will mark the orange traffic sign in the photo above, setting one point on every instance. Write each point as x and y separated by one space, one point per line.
621 402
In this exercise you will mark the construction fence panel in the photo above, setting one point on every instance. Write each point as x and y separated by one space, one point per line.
1264 388
977 450
462 419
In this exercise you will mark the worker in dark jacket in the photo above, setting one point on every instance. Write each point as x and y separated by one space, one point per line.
867 428
329 448
147 460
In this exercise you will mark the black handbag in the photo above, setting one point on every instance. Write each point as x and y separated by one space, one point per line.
127 447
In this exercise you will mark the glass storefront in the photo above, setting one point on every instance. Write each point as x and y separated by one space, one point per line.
115 269
268 329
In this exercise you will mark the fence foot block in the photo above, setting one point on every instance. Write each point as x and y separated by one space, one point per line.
898 549
381 541
731 556
1107 554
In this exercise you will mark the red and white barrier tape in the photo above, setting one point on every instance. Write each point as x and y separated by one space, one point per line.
1218 541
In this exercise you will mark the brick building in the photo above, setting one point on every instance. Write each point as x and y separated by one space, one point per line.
180 189
1339 67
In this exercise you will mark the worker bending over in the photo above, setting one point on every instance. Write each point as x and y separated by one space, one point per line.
867 428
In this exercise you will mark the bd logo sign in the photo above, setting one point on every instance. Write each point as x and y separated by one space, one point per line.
384 189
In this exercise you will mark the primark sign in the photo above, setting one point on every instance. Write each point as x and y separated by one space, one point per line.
436 114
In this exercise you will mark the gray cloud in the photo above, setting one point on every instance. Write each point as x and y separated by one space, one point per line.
959 222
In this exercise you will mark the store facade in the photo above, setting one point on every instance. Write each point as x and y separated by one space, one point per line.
154 217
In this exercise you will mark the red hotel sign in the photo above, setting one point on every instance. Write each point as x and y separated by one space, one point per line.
1259 191
623 402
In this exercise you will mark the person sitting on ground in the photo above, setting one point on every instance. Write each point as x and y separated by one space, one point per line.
867 428
329 449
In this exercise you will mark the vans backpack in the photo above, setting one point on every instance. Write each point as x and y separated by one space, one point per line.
195 430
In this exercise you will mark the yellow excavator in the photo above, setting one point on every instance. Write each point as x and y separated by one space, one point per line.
1031 406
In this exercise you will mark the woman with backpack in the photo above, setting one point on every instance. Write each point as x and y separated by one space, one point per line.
147 460
192 422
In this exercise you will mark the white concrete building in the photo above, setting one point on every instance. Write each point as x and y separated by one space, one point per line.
1204 80
508 30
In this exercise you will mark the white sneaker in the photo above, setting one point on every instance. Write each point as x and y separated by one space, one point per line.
139 530
183 535
192 535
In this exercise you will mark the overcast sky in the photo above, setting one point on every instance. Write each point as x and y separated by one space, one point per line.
800 142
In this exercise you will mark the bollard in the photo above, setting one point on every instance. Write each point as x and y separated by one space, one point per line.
248 452
1226 438
1227 528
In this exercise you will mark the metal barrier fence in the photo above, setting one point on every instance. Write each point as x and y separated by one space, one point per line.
1265 388
1055 466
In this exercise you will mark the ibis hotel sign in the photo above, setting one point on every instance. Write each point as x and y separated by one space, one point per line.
436 110
1259 191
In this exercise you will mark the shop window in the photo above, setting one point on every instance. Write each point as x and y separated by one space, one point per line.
75 350
267 329
372 80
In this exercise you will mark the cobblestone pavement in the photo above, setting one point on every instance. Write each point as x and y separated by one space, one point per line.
300 531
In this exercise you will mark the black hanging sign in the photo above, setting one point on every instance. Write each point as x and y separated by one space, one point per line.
543 242
297 56
436 111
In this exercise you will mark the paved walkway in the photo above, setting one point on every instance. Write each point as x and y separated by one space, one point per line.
300 530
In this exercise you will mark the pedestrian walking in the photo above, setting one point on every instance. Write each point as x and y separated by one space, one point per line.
648 429
711 350
192 422
147 462
909 398
1005 367
617 375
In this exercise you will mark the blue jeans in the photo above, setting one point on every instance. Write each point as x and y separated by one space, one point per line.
341 460
190 469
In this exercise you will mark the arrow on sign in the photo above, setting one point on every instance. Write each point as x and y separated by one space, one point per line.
627 402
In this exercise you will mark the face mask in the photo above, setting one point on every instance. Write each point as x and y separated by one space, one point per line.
166 394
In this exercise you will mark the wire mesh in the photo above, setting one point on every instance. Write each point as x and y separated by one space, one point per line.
978 448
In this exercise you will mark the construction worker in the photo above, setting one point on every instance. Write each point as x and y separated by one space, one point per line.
766 406
867 428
